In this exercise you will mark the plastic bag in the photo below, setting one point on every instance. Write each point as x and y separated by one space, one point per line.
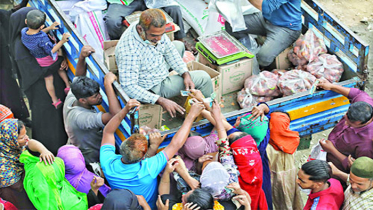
263 84
231 10
327 66
145 130
295 81
200 18
159 3
317 153
307 48
246 100
279 72
299 62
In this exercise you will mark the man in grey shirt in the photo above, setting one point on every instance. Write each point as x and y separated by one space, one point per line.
83 124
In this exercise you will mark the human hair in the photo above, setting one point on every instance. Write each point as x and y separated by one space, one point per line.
20 125
360 111
35 19
202 197
283 112
129 151
83 87
152 17
318 170
234 138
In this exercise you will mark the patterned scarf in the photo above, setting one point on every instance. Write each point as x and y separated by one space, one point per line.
10 167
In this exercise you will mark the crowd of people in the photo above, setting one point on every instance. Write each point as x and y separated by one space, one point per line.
73 162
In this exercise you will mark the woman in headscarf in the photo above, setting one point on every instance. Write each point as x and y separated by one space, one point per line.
10 94
13 142
196 147
283 144
75 170
47 122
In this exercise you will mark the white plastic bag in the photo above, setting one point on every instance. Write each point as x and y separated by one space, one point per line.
326 66
317 153
231 10
197 14
264 84
295 81
159 3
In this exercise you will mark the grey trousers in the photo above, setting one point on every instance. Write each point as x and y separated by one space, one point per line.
278 38
117 12
172 85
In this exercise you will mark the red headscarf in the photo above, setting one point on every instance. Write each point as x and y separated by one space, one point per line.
282 138
247 158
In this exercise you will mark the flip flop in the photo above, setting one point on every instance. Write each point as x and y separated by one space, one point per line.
58 104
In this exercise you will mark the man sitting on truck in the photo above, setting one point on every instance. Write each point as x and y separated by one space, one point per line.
352 136
131 169
279 21
144 55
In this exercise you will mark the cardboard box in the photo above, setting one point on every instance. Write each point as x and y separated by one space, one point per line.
232 76
109 55
282 61
151 115
215 76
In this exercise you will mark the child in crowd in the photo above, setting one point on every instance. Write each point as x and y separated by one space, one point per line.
34 37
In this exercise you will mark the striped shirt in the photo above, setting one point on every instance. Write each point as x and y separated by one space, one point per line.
142 66
355 201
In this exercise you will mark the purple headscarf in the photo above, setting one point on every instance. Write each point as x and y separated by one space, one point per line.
196 146
76 172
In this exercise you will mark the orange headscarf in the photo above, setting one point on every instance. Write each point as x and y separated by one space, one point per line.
282 138
5 113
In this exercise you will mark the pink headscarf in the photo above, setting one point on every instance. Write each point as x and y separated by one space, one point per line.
196 146
76 172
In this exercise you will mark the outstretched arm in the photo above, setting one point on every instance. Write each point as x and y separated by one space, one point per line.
81 67
114 106
45 154
112 126
180 137
326 85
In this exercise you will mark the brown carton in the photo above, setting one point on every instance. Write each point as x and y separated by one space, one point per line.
282 61
215 76
150 115
232 76
109 55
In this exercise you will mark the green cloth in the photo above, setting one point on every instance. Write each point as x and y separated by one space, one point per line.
363 167
47 187
124 2
256 128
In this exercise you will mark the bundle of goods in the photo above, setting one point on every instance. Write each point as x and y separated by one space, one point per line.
263 84
145 130
306 49
295 81
279 72
246 100
327 66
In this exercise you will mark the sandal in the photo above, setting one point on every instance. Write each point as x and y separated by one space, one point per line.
58 104
66 90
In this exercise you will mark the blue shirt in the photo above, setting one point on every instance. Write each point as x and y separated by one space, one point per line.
284 13
140 178
39 44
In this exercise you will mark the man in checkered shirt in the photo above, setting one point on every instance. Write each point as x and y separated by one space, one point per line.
359 193
144 56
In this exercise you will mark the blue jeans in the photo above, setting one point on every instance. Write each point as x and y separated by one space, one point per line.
117 12
278 38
